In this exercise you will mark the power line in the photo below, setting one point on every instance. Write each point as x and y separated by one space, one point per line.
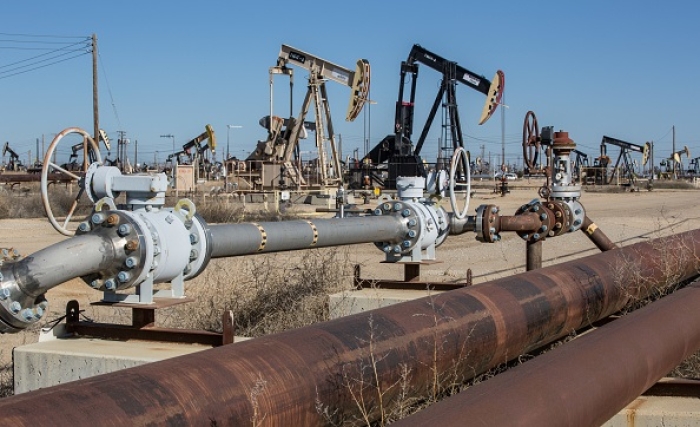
665 135
45 54
44 42
41 36
43 66
109 90
41 61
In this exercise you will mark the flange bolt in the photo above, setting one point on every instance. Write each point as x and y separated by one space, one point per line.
97 218
124 276
131 262
15 307
124 230
27 314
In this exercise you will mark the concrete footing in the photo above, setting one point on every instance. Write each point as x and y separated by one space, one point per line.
357 301
45 364
56 360
653 411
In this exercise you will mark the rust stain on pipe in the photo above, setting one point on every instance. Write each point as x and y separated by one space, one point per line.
584 382
523 222
285 377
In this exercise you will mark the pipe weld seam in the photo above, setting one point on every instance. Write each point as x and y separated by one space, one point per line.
315 231
263 236
591 229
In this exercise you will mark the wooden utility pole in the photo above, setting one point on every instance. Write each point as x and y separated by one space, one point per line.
95 107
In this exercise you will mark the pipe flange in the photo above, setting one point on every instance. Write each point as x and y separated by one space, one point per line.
568 192
200 238
9 254
545 217
18 311
412 222
131 246
578 214
201 250
487 230
562 218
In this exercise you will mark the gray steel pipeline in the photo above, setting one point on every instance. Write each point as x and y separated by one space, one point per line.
584 382
251 238
369 359
462 225
25 280
58 263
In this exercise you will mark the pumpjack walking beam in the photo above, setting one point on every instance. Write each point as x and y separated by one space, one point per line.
320 70
625 148
452 73
397 148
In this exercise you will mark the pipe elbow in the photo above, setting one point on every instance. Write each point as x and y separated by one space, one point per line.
23 282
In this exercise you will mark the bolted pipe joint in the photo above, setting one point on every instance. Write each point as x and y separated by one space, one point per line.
157 245
533 221
578 215
487 224
18 311
542 221
426 227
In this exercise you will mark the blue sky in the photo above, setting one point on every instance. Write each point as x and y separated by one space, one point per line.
624 69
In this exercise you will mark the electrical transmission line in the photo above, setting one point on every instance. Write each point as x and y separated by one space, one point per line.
55 49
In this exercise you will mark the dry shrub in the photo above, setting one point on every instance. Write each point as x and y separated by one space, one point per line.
673 184
688 369
220 210
6 380
267 293
28 204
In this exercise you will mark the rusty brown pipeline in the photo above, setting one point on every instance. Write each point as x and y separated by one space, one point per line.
584 382
367 360
596 235
532 222
527 222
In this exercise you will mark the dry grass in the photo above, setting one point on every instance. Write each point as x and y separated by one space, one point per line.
6 380
26 203
688 369
267 293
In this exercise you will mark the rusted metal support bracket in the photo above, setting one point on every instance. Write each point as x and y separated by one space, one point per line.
143 325
411 281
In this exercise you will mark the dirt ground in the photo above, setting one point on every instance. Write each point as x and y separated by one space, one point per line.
626 218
